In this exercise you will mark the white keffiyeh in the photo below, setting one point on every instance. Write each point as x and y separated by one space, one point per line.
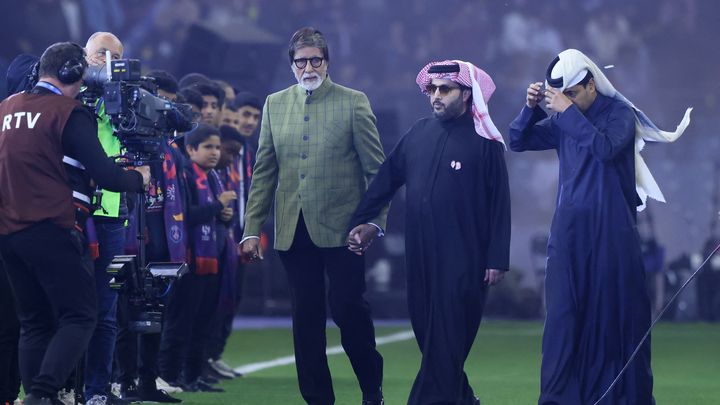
572 67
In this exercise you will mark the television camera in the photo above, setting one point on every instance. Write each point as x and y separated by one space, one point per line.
141 118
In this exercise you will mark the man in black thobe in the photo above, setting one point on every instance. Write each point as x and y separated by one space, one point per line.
458 223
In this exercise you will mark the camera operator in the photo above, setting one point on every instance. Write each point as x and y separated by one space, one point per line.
110 228
40 239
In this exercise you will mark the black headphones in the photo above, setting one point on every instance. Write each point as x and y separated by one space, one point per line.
73 69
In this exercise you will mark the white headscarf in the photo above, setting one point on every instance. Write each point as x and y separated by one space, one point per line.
572 67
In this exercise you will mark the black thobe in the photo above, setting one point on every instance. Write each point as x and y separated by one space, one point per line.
597 303
457 226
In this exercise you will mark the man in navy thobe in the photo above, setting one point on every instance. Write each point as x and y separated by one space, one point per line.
597 304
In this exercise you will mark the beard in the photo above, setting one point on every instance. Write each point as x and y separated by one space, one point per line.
310 86
451 110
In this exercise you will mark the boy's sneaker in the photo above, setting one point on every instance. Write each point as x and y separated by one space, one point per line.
97 400
152 394
115 388
129 392
113 399
66 396
167 387
201 385
210 376
222 368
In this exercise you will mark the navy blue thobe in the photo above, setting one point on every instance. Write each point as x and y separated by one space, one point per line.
597 304
457 226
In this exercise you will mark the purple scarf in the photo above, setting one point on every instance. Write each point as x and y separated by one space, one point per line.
204 236
173 215
228 283
173 210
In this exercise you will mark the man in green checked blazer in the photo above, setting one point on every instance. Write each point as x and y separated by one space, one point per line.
318 150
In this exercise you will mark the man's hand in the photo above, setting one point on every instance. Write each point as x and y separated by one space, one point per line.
226 197
251 249
360 238
493 276
534 96
145 172
556 100
226 214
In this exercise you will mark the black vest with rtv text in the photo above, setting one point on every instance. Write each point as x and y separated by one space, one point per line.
33 180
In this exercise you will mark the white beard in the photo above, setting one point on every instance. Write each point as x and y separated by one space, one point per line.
310 86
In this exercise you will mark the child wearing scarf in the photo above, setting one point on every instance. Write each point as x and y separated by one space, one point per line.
194 297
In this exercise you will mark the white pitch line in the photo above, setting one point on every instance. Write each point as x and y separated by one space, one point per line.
284 361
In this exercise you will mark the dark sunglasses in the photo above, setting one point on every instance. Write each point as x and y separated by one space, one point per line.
444 89
315 62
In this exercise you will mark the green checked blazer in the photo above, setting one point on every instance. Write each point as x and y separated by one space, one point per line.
316 154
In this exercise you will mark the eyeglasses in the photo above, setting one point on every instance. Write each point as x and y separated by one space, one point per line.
444 89
315 62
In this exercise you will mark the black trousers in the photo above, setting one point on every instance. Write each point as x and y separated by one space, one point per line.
306 266
56 303
9 336
222 323
136 354
220 330
192 303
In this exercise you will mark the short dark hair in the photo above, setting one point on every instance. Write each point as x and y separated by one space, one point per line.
200 134
57 54
224 85
308 37
190 96
164 80
210 89
228 133
244 98
192 78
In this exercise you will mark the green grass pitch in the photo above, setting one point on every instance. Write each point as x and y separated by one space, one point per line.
503 367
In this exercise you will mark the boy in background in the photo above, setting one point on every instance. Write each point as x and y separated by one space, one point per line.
194 297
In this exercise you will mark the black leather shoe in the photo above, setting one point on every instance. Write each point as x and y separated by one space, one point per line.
378 401
476 401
